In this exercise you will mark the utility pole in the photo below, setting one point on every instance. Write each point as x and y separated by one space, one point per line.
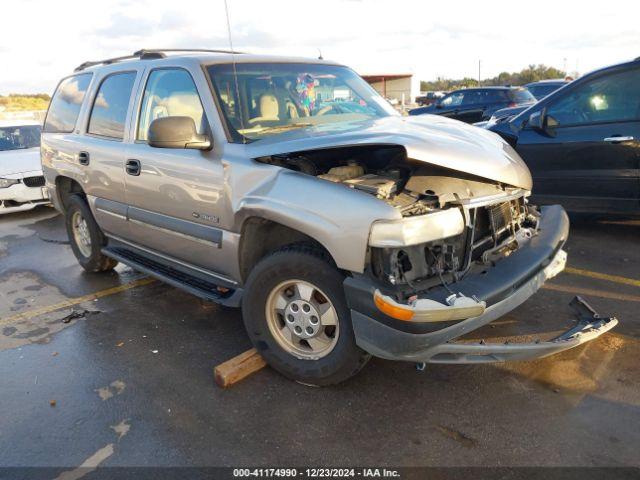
479 81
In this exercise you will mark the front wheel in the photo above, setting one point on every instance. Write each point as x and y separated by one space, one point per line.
85 237
297 317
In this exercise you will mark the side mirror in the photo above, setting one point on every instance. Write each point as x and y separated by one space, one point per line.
536 120
542 122
177 132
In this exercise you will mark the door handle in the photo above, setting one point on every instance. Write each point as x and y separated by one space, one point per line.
618 138
83 158
133 167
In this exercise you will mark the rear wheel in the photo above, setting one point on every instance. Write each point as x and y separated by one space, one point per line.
297 317
85 237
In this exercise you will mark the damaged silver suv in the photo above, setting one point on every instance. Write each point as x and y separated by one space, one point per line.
291 188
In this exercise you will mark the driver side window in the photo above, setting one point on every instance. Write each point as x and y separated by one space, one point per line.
170 92
613 98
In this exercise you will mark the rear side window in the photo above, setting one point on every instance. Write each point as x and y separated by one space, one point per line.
109 113
495 96
453 99
65 105
170 92
522 95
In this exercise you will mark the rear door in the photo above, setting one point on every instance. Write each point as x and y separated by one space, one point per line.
102 150
175 196
591 160
59 141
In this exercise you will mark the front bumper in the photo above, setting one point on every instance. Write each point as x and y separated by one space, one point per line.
501 288
20 197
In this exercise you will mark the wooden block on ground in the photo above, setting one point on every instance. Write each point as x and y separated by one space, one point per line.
234 370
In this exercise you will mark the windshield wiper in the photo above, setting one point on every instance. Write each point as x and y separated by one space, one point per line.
281 128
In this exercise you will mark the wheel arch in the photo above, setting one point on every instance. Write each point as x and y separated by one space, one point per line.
261 236
65 187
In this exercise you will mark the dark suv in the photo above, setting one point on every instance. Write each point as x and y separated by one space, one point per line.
476 104
581 143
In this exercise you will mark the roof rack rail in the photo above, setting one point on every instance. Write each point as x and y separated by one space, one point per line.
148 54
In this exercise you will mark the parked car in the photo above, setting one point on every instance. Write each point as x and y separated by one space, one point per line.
477 104
428 98
538 89
582 142
543 88
22 185
342 235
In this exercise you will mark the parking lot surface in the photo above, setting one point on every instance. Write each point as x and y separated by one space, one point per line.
124 377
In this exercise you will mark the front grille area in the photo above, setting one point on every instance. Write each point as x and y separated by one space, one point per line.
34 181
494 224
491 233
500 216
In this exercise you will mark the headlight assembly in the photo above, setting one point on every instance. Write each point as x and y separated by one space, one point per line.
419 229
7 182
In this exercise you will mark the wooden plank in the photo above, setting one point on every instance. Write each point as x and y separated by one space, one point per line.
232 371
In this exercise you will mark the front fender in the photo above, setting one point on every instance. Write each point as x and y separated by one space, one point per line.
336 216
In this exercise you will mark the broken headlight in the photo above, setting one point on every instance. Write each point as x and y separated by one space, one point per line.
416 230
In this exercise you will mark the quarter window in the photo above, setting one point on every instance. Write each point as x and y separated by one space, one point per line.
109 113
614 98
170 92
65 105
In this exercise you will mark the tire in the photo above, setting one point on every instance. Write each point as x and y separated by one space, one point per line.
89 256
341 357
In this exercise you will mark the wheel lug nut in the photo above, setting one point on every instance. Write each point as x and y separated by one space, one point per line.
290 318
310 330
294 307
306 308
314 320
298 330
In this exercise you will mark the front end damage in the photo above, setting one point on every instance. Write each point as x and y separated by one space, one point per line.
467 262
461 248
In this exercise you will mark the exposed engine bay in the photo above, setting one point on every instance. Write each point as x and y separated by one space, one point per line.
497 218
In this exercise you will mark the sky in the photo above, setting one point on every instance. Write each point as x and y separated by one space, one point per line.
44 40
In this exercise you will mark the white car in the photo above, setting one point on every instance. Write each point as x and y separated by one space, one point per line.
22 184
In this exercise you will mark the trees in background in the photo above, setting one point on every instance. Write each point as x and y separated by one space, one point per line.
532 73
15 102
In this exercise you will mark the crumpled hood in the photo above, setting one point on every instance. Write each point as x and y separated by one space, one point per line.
428 138
19 161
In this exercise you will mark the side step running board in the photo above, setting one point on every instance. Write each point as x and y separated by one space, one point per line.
199 287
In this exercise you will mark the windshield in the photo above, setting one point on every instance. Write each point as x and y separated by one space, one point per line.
17 138
277 97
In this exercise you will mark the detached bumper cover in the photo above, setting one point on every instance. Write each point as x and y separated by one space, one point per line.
587 329
502 287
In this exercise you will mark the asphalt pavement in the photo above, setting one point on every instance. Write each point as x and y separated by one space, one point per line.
126 379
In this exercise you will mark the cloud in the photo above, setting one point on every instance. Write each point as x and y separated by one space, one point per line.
371 36
101 101
121 25
70 93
